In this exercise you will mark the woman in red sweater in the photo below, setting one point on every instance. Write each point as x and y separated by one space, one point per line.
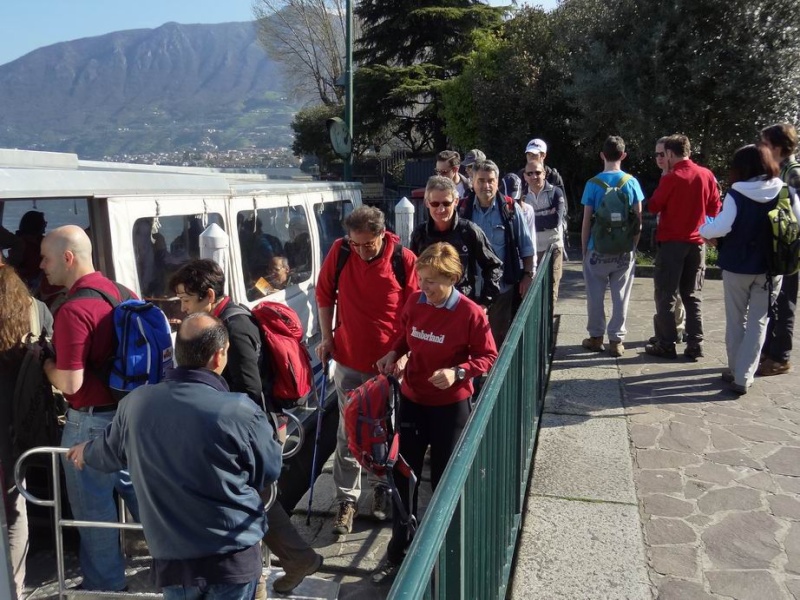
448 339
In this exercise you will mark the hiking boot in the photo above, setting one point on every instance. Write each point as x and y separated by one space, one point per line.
385 573
595 344
616 349
771 367
661 351
727 376
381 499
285 584
343 524
693 351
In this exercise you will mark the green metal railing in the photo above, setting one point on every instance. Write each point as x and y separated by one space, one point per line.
465 545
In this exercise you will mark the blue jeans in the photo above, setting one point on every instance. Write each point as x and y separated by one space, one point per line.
214 591
91 496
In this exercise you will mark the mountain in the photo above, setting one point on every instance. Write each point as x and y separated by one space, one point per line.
176 87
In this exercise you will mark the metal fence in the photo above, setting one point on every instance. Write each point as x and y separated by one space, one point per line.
465 545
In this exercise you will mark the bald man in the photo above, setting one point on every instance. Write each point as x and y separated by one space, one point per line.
83 341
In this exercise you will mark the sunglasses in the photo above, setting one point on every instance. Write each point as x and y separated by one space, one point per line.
532 173
443 173
660 154
438 204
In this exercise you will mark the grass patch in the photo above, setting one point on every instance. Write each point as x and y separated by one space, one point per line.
648 258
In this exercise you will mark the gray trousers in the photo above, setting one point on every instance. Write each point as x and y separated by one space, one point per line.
346 470
285 542
680 268
746 307
18 538
613 272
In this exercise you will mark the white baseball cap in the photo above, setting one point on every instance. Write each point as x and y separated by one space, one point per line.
536 146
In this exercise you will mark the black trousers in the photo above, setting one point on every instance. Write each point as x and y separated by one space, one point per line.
680 267
419 427
778 344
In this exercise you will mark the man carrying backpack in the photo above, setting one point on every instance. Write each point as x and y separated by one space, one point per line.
781 139
200 287
685 196
368 298
612 217
511 241
83 341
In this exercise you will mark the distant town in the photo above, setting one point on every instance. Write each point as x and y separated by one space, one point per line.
244 158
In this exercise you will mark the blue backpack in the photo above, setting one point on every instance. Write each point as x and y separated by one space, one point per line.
142 342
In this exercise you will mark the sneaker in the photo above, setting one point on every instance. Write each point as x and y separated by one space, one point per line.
344 518
771 367
385 573
616 349
595 344
290 580
694 351
661 351
381 499
727 376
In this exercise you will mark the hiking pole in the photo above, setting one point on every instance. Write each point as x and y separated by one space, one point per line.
320 410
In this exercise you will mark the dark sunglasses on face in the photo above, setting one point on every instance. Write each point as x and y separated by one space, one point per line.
660 154
438 204
443 173
532 173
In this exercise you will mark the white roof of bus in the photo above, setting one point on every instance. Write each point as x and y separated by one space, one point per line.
30 174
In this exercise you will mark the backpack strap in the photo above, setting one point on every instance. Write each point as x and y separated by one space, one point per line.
89 292
600 182
341 261
792 164
622 181
398 268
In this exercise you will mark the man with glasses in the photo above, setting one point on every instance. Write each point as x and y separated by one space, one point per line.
476 254
549 208
368 299
447 164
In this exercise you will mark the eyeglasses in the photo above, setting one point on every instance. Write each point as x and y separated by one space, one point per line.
534 173
370 245
660 154
443 172
438 204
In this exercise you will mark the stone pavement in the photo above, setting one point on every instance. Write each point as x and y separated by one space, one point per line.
652 479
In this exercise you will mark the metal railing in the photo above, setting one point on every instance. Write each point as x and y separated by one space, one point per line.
465 545
56 503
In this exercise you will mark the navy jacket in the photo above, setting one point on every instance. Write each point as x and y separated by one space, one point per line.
198 456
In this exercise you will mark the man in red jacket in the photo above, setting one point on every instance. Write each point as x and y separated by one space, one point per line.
368 299
685 196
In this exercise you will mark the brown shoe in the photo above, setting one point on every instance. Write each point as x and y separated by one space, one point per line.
343 524
772 367
616 349
595 344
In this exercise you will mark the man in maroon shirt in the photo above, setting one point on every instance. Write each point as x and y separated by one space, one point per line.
368 299
685 196
83 341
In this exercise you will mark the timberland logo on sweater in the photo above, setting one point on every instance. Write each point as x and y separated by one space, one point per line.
428 337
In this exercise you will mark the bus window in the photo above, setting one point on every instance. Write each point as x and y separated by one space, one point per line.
330 222
160 252
276 249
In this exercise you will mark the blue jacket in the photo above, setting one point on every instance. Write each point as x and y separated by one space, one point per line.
198 456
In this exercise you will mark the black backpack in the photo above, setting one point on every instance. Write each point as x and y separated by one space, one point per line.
36 406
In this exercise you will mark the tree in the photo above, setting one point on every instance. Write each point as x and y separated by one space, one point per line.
307 38
407 49
311 133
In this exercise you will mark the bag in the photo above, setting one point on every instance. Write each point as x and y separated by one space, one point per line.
398 268
615 225
783 257
291 377
36 407
787 168
142 342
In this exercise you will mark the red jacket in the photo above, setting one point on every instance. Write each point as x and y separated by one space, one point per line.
684 198
369 303
455 335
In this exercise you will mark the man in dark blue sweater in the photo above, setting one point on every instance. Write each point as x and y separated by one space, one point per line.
199 457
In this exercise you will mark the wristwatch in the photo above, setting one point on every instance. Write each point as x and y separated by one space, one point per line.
461 373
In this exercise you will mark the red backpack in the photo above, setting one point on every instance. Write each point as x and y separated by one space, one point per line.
283 346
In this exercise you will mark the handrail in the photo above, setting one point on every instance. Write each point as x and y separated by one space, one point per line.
301 438
421 572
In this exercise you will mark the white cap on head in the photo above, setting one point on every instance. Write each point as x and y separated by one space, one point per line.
536 146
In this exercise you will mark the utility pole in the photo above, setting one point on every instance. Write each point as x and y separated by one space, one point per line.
348 92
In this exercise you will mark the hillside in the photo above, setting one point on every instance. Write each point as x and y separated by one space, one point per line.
176 87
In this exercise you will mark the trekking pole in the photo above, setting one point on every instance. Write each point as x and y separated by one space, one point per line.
320 410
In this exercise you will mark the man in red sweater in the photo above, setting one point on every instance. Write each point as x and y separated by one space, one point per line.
368 304
685 197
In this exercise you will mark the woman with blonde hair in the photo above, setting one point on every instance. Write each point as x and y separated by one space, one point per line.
450 342
20 316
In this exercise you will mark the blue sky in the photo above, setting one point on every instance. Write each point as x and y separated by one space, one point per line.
28 24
